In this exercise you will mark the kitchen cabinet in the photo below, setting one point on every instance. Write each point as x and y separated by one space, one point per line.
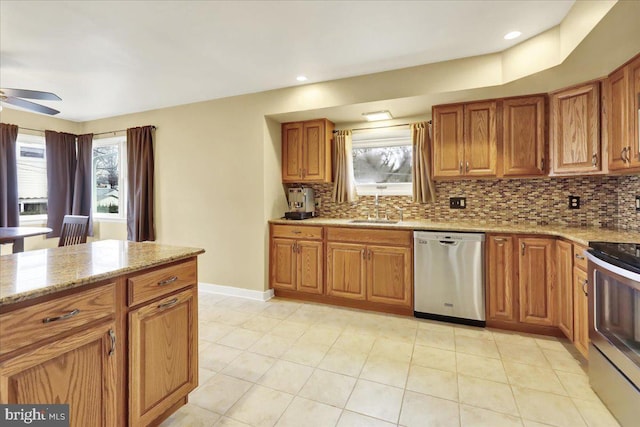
306 151
523 136
371 265
63 350
622 106
536 281
520 283
163 358
575 130
297 258
465 140
564 270
501 304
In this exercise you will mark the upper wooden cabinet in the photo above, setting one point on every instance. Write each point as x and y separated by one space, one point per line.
306 151
575 130
464 140
622 90
523 131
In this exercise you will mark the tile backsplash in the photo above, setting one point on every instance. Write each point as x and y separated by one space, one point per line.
605 201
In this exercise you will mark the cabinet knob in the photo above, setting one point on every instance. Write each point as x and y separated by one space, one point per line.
460 167
585 283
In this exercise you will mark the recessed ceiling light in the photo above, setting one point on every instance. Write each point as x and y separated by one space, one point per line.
378 115
512 35
302 78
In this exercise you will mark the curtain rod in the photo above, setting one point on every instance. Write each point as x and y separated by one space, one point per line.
382 127
95 134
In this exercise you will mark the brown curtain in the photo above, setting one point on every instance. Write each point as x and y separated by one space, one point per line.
344 188
9 211
423 189
140 218
82 184
61 171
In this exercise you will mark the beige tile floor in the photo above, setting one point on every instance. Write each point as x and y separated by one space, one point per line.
287 363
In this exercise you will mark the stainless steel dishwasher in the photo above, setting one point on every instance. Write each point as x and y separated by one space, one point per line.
449 276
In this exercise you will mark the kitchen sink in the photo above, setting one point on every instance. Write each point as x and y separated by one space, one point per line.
373 221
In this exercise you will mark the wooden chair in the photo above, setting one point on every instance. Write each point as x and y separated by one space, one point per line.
74 230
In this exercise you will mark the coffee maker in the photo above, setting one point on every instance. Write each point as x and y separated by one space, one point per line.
301 203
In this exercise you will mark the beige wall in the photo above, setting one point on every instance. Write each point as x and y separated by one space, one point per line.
218 162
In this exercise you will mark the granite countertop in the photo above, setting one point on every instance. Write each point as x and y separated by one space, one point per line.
582 235
41 272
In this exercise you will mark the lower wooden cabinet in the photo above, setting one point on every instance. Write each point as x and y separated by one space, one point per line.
163 358
581 312
364 268
520 283
564 270
79 369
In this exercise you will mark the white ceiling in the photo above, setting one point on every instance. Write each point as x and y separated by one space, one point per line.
107 58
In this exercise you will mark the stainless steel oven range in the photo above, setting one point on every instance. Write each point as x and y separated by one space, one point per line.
614 327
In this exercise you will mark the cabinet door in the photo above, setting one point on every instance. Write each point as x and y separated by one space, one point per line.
564 257
389 275
448 141
480 142
575 130
283 264
581 312
634 113
500 287
310 266
617 118
346 270
79 370
536 281
163 355
292 152
523 136
314 151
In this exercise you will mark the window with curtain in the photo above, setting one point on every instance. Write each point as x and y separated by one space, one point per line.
108 177
32 177
382 161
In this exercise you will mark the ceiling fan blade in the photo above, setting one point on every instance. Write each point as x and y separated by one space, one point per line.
29 105
31 94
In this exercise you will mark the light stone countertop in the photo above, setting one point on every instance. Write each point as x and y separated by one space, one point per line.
32 274
582 235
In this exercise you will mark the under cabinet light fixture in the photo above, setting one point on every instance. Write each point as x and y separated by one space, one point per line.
302 78
512 35
378 115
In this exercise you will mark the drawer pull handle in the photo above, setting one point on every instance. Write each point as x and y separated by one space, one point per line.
579 256
500 239
168 281
112 335
168 303
296 232
63 317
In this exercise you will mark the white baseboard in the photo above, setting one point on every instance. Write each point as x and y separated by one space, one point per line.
235 292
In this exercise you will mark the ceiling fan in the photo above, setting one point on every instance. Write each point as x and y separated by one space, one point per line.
14 97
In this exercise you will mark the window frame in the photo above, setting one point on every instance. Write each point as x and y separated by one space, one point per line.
31 140
121 216
377 138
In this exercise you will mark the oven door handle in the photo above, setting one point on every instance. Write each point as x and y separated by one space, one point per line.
634 277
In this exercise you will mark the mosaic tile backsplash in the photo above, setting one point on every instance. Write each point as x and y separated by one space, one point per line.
605 201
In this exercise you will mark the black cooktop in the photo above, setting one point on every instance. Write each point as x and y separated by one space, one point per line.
623 255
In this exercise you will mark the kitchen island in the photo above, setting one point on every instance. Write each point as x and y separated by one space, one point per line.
108 327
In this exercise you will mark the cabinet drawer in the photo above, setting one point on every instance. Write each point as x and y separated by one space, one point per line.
370 235
28 325
161 281
296 231
579 258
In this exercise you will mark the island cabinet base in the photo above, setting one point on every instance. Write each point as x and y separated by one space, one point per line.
120 352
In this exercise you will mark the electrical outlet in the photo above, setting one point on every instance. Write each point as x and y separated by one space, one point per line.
574 202
458 202
637 203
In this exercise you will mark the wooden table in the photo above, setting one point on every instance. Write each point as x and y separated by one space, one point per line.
16 235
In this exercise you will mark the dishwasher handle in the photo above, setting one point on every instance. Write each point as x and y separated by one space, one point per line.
448 242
